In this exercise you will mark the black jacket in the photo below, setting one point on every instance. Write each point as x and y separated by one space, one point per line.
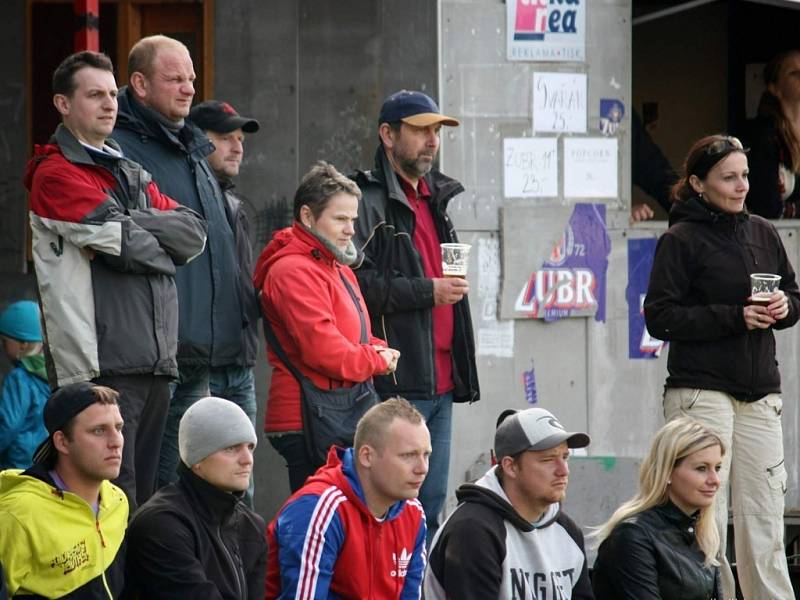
398 295
487 551
698 288
654 556
193 540
211 312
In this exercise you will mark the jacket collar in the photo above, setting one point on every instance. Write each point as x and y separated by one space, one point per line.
214 503
73 150
698 210
316 248
340 470
490 493
442 187
133 116
675 516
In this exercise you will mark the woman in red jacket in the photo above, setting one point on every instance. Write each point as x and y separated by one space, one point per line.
311 311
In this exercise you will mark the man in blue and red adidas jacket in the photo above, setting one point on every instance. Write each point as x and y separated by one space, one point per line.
356 529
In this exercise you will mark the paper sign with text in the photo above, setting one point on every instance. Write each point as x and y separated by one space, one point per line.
530 167
590 168
559 102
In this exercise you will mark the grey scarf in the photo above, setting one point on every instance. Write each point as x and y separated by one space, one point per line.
346 257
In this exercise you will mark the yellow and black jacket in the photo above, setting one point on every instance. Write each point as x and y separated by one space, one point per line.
51 543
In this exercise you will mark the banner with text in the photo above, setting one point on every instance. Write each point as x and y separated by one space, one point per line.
572 281
546 30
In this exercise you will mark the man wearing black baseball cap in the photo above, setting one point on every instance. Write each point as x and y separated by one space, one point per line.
226 128
401 223
508 538
62 522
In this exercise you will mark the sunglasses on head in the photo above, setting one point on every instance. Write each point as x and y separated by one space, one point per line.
727 143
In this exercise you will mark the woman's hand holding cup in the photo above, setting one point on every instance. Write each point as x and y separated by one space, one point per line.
391 356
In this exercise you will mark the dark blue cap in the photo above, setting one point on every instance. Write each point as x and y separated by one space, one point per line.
414 108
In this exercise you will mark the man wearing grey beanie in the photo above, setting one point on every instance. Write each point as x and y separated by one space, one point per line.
195 537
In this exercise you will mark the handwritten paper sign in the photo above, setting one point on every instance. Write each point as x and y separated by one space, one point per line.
590 167
559 102
531 167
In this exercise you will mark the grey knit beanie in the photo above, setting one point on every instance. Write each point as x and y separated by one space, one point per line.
211 424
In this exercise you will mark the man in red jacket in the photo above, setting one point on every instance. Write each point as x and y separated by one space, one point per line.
356 529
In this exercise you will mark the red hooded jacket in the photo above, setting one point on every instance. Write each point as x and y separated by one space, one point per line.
315 320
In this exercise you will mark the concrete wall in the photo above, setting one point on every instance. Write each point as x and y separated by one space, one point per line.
15 282
314 74
583 373
575 359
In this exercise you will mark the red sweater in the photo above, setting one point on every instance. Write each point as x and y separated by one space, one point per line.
315 320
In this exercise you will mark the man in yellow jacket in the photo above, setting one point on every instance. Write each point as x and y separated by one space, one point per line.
62 522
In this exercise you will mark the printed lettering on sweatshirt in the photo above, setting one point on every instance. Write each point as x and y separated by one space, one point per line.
553 585
71 559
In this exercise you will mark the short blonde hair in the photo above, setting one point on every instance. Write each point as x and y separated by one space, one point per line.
371 428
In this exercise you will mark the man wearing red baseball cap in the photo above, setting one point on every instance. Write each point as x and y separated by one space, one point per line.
402 221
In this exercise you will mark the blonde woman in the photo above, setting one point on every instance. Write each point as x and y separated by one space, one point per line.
663 544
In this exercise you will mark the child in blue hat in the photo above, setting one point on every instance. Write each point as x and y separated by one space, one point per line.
25 389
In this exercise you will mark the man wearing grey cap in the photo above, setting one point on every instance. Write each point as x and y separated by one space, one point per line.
226 129
508 538
402 220
195 538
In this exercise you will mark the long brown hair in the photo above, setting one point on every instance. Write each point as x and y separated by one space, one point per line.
769 106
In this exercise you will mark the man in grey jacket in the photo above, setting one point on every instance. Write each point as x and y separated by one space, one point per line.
106 244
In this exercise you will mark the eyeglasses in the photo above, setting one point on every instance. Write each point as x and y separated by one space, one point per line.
728 143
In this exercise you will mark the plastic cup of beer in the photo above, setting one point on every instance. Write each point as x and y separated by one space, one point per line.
762 286
455 258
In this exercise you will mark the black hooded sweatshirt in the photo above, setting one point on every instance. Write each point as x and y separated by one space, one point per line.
487 551
699 286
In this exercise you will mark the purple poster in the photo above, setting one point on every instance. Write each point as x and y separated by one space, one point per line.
640 262
572 281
